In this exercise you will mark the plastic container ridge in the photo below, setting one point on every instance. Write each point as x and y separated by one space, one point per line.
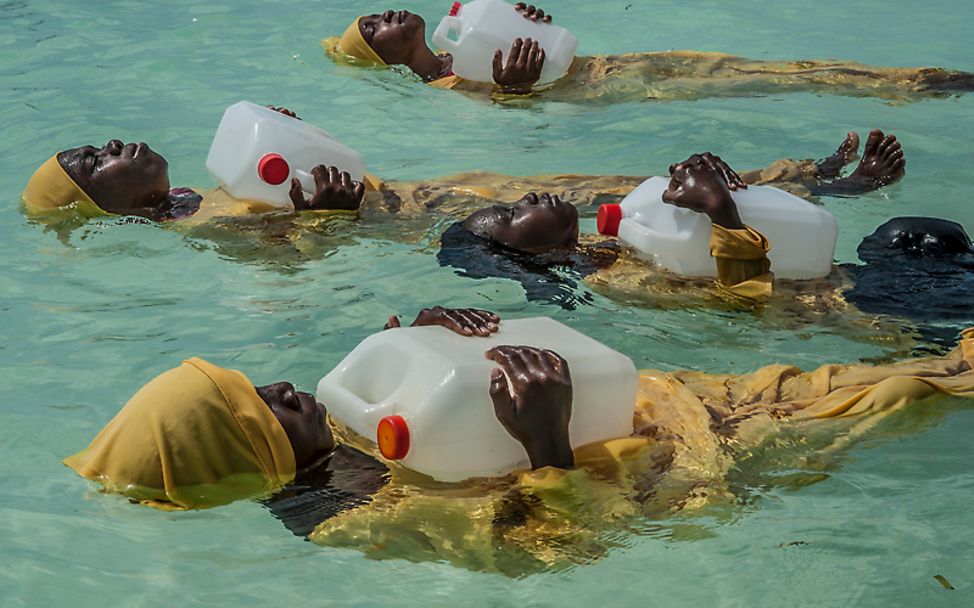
256 151
474 31
422 394
802 235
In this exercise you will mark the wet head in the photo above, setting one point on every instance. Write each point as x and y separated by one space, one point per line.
120 178
303 419
534 224
917 237
691 176
397 36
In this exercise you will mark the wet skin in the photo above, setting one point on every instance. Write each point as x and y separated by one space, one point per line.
399 38
534 224
532 395
303 419
464 321
703 183
883 163
125 179
334 190
532 12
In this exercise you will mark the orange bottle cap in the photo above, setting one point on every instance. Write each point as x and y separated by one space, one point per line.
610 216
393 436
273 169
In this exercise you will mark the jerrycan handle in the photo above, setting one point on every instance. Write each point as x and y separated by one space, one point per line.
441 37
307 181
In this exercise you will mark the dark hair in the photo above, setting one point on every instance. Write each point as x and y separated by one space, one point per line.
550 278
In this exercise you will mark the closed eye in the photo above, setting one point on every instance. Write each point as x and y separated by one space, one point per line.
91 162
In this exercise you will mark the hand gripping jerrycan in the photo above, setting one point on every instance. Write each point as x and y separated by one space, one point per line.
256 152
472 32
802 235
422 394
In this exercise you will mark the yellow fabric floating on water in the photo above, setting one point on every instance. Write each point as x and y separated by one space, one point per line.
351 47
689 428
195 437
51 188
743 267
447 82
218 203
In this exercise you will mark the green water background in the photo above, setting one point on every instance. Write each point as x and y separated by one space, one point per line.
85 323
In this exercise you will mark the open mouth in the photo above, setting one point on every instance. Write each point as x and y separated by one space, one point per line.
401 16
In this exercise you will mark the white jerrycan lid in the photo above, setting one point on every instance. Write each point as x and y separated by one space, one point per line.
802 235
472 32
256 151
422 394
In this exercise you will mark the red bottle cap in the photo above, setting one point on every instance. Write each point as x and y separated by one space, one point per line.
273 169
610 216
456 9
393 435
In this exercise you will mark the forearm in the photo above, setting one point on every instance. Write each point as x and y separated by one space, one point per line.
550 452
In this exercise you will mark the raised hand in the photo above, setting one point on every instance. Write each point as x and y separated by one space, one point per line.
464 321
882 161
532 395
334 189
531 12
524 65
702 183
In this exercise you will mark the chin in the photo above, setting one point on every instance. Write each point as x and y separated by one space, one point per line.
415 21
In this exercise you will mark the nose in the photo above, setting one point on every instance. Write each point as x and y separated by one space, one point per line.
114 147
388 15
290 398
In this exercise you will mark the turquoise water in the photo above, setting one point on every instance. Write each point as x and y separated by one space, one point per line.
89 318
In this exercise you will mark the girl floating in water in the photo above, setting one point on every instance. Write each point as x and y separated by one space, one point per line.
399 38
201 436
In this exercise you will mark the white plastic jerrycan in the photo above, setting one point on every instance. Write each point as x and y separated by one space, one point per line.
256 152
422 394
474 31
802 235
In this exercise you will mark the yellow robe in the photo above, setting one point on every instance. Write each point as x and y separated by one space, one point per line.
690 428
692 75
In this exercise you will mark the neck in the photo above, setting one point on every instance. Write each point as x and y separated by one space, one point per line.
426 64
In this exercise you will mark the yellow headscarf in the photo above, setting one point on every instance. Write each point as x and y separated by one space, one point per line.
351 47
51 188
195 437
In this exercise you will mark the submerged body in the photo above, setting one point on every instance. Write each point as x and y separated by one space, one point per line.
399 38
200 436
694 75
691 432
